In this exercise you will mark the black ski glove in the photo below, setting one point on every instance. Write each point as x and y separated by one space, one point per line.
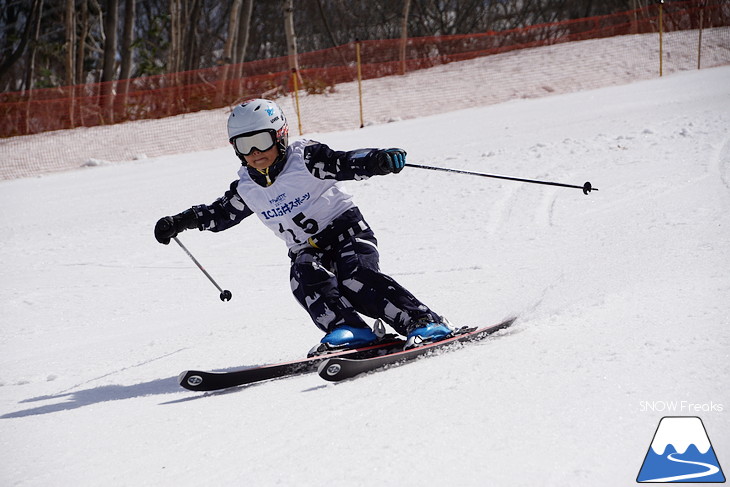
391 160
169 226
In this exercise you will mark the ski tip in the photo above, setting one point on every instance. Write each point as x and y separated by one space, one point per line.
506 323
510 321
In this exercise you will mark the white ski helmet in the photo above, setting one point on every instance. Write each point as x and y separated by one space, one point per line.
256 116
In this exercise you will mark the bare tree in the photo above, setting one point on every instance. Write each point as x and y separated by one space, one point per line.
28 34
228 54
190 54
70 24
81 48
323 16
233 20
70 19
239 53
170 36
110 43
30 68
109 67
127 39
125 70
243 31
174 57
330 34
291 39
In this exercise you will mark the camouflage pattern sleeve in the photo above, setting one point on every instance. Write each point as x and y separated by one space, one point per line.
325 163
223 213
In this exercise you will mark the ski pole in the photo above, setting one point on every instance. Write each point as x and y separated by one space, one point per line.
225 294
587 187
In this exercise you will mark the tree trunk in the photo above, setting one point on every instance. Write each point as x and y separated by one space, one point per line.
224 84
70 43
291 38
108 69
70 47
36 33
125 70
29 32
174 54
110 44
81 48
30 72
127 39
233 20
243 31
242 39
190 53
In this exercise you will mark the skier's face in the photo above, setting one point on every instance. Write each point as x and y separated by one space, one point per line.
262 160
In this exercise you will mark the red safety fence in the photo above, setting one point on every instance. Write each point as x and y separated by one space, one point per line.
153 97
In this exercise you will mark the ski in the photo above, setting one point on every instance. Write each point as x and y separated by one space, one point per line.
335 369
198 380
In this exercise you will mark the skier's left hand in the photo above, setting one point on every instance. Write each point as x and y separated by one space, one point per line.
391 160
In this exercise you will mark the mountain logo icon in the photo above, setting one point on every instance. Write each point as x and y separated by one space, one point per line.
680 452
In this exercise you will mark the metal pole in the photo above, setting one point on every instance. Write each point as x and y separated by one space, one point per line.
225 294
587 187
661 31
359 81
699 42
295 76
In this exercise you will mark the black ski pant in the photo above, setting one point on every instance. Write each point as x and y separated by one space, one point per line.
336 283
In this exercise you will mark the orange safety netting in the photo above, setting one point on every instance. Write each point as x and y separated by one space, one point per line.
153 97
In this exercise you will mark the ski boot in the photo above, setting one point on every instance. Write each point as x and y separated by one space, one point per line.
425 330
347 337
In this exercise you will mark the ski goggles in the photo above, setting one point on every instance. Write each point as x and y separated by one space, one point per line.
261 141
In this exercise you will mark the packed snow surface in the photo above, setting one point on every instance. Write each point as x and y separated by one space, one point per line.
622 297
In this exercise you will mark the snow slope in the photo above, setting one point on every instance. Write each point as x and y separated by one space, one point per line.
622 297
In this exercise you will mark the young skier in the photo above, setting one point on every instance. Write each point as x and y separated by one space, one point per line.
295 191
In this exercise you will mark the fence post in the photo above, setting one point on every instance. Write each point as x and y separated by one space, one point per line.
72 106
295 77
661 31
404 36
359 80
699 41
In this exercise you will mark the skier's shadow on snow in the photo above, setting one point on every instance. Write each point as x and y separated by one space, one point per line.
68 400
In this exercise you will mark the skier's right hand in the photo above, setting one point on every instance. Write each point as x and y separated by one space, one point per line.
168 227
165 230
